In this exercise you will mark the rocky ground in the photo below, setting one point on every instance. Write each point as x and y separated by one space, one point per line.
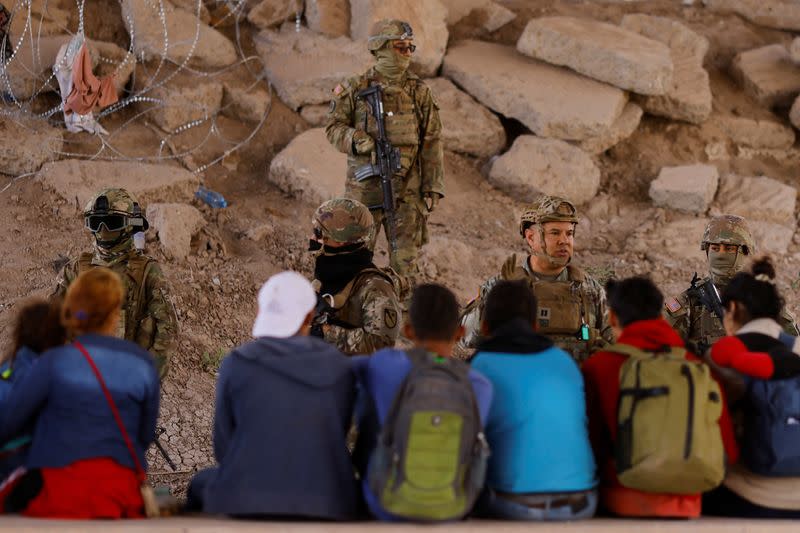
651 124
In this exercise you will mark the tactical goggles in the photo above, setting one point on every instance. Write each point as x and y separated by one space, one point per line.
111 221
405 48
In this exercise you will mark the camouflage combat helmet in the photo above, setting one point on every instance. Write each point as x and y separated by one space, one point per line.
117 209
343 220
729 229
548 209
389 30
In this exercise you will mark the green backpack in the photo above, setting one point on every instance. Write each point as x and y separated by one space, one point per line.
668 436
430 460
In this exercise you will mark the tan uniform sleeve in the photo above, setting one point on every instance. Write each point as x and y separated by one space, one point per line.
676 313
160 321
65 279
339 123
788 322
381 316
431 152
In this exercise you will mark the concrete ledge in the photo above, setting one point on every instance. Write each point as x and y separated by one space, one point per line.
217 525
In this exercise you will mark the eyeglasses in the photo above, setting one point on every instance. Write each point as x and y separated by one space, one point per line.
112 222
405 48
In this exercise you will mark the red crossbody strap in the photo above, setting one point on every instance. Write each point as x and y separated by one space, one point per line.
110 400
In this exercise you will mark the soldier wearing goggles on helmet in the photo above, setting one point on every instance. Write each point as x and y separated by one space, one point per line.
728 244
571 304
412 126
148 317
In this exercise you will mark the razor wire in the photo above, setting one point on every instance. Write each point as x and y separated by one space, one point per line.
151 93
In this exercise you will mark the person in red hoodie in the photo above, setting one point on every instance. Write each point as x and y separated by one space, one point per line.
635 317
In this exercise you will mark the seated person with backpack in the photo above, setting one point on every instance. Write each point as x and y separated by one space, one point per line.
541 467
284 406
421 449
94 404
37 328
766 481
658 420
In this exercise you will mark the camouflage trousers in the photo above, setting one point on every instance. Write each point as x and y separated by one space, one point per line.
411 233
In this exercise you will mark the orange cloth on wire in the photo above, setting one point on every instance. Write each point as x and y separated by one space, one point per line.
87 90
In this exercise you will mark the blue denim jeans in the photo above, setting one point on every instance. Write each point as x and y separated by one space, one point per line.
536 507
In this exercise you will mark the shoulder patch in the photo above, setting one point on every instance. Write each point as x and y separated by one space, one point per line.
390 317
672 305
338 89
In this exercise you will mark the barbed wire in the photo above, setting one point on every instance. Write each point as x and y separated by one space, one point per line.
149 91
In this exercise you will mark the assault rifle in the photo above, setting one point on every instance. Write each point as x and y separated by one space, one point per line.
387 162
324 314
708 295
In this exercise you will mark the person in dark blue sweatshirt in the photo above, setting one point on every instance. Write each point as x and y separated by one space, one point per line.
434 326
37 329
283 410
541 467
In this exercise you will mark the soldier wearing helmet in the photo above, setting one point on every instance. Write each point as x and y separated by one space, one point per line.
728 243
572 304
412 125
148 318
359 310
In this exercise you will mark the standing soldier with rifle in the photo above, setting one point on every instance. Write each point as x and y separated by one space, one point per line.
387 123
697 312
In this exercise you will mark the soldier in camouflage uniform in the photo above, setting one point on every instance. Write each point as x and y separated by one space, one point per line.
412 126
148 317
571 304
359 310
728 243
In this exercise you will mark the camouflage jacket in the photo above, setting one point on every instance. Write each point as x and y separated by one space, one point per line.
700 326
148 317
412 125
582 298
371 310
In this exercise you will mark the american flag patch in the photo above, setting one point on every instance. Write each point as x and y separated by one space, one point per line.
672 305
338 89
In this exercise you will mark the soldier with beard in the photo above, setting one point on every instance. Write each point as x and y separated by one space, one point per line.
412 126
728 243
359 310
148 317
571 304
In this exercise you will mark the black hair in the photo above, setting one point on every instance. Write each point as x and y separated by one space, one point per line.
509 300
755 292
633 299
434 312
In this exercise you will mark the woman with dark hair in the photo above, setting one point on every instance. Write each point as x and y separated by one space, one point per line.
37 328
94 405
766 481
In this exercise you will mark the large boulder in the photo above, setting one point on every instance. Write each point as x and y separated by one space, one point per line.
183 99
495 16
426 17
768 74
779 14
242 101
175 225
304 66
187 37
758 198
689 96
688 188
601 51
770 237
621 129
25 144
467 126
310 168
458 9
551 101
330 17
76 180
758 134
535 166
316 115
269 13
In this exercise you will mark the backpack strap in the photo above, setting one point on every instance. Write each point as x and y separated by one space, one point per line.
787 340
85 262
638 353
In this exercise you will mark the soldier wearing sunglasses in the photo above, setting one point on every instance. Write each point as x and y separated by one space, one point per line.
412 126
148 318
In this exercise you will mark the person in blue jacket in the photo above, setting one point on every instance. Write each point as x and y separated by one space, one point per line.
541 467
283 410
37 328
434 326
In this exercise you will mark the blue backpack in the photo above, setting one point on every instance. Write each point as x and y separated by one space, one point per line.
771 444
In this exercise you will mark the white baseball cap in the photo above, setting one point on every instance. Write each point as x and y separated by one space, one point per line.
284 301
